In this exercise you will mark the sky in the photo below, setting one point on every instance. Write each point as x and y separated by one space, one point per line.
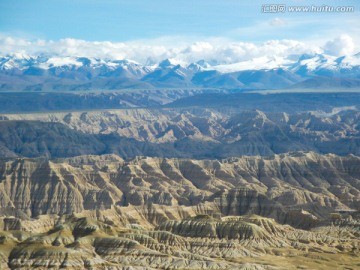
75 26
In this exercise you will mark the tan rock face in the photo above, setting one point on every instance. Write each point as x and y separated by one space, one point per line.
197 242
182 132
166 125
103 212
265 186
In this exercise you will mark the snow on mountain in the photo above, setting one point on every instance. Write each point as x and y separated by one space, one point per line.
171 62
59 62
204 64
349 61
254 64
326 65
195 67
304 65
16 61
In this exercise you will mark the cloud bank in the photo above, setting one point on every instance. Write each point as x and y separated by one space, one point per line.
217 50
343 45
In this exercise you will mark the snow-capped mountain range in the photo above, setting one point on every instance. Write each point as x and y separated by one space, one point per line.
23 72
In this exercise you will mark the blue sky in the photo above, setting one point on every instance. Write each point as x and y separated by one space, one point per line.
224 31
143 19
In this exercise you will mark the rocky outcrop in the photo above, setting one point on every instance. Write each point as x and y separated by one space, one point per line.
197 242
281 186
183 133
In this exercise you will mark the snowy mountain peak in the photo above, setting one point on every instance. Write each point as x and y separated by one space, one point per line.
203 64
260 63
349 60
195 67
16 61
61 61
171 62
326 65
21 56
306 65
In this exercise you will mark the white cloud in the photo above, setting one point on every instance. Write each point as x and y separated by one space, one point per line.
343 45
214 50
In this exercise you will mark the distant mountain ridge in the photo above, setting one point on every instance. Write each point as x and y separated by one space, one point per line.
21 72
183 133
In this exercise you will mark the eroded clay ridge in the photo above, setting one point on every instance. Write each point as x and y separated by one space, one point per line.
103 212
99 240
195 133
275 186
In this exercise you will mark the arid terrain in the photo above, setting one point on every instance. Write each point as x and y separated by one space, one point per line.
182 186
101 212
179 135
